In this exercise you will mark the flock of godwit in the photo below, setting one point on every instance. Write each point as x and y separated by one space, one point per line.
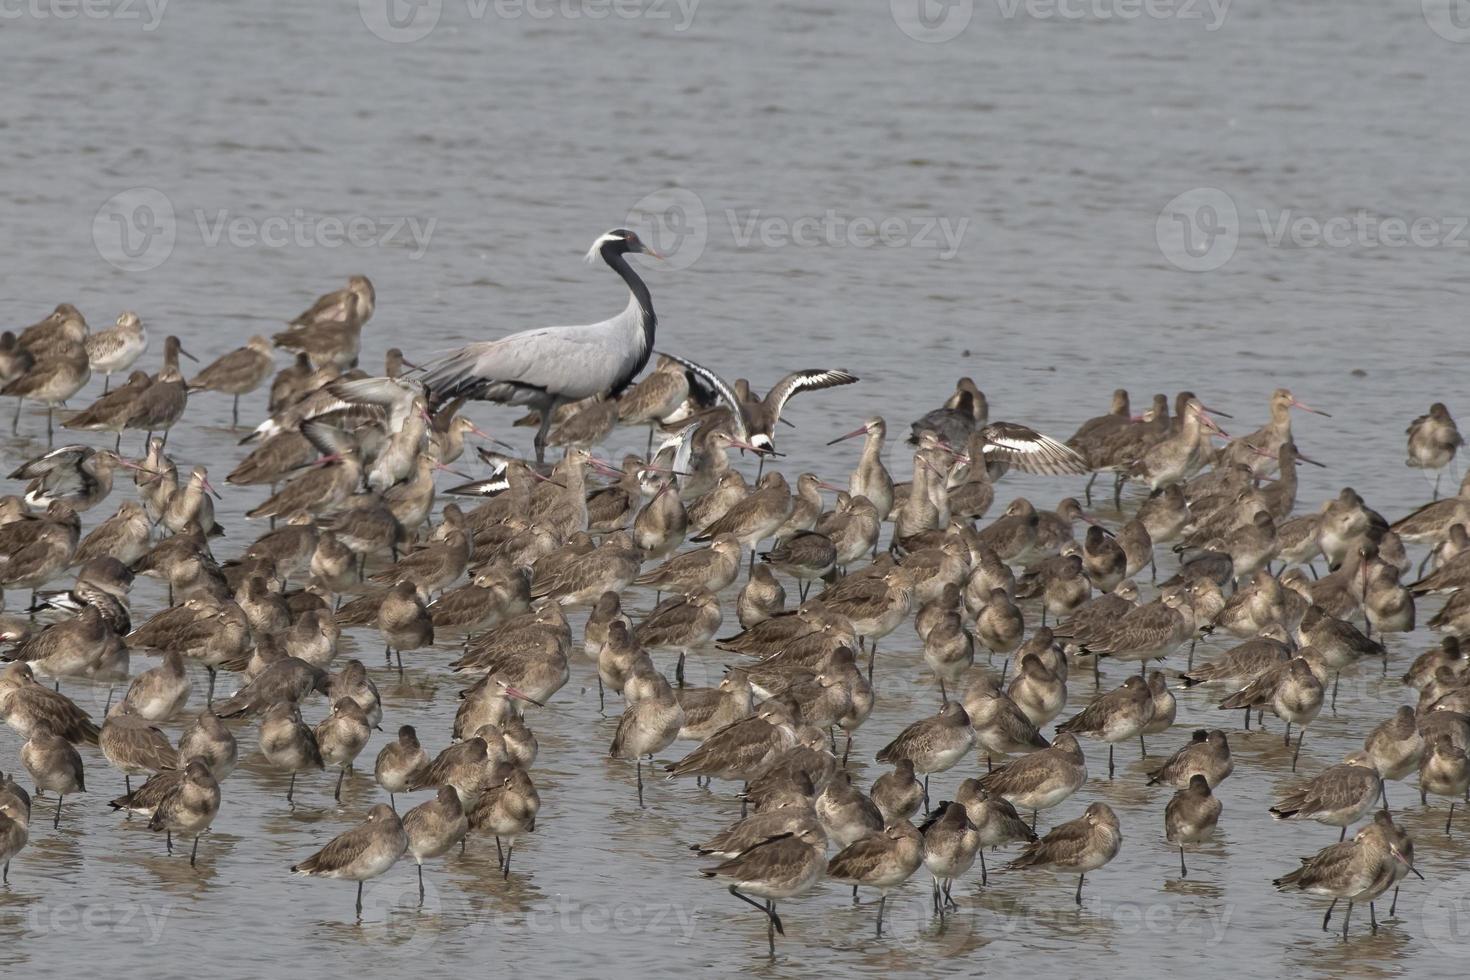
1008 611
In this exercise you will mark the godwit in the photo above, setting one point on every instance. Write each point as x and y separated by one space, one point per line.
707 710
656 398
1338 796
1395 746
1081 845
870 478
400 763
123 536
237 373
1433 441
113 351
1357 870
289 744
1038 691
933 744
1258 450
1444 770
506 809
52 379
15 821
29 707
962 413
756 517
78 476
433 828
1190 816
754 420
898 794
162 403
951 842
209 740
331 335
157 694
882 860
1293 691
362 853
805 555
133 745
779 867
341 736
761 597
1448 654
1207 754
403 621
54 766
650 722
742 749
712 567
188 807
1001 727
1115 716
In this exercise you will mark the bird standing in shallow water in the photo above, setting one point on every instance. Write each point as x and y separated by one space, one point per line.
550 366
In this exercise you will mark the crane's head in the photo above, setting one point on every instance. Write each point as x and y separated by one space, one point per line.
618 242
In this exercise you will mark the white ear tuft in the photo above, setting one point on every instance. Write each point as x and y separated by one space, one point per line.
593 252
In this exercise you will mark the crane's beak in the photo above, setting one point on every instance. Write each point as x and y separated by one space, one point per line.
650 250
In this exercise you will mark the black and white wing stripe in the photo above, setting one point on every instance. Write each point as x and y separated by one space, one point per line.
721 388
1030 451
812 379
494 485
58 458
329 440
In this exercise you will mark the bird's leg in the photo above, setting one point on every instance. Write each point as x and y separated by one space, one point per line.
15 422
1110 760
1295 755
509 850
1347 917
291 788
1336 679
50 423
984 875
1328 917
1183 871
1190 665
168 841
1395 903
128 784
1449 818
639 763
1286 739
341 775
926 792
499 855
541 430
1087 490
882 903
943 695
1143 749
934 896
421 884
359 901
601 697
194 853
235 414
846 751
679 670
56 821
1080 880
106 382
1373 917
1342 836
210 698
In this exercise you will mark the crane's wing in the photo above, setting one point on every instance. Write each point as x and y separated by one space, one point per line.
722 389
812 379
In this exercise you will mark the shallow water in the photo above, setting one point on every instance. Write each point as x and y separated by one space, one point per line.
482 158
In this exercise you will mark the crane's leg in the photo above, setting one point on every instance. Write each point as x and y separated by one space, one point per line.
543 429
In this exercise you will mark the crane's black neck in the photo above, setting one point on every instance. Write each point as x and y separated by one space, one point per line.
617 259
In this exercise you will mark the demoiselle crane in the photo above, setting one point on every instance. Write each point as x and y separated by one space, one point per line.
545 367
